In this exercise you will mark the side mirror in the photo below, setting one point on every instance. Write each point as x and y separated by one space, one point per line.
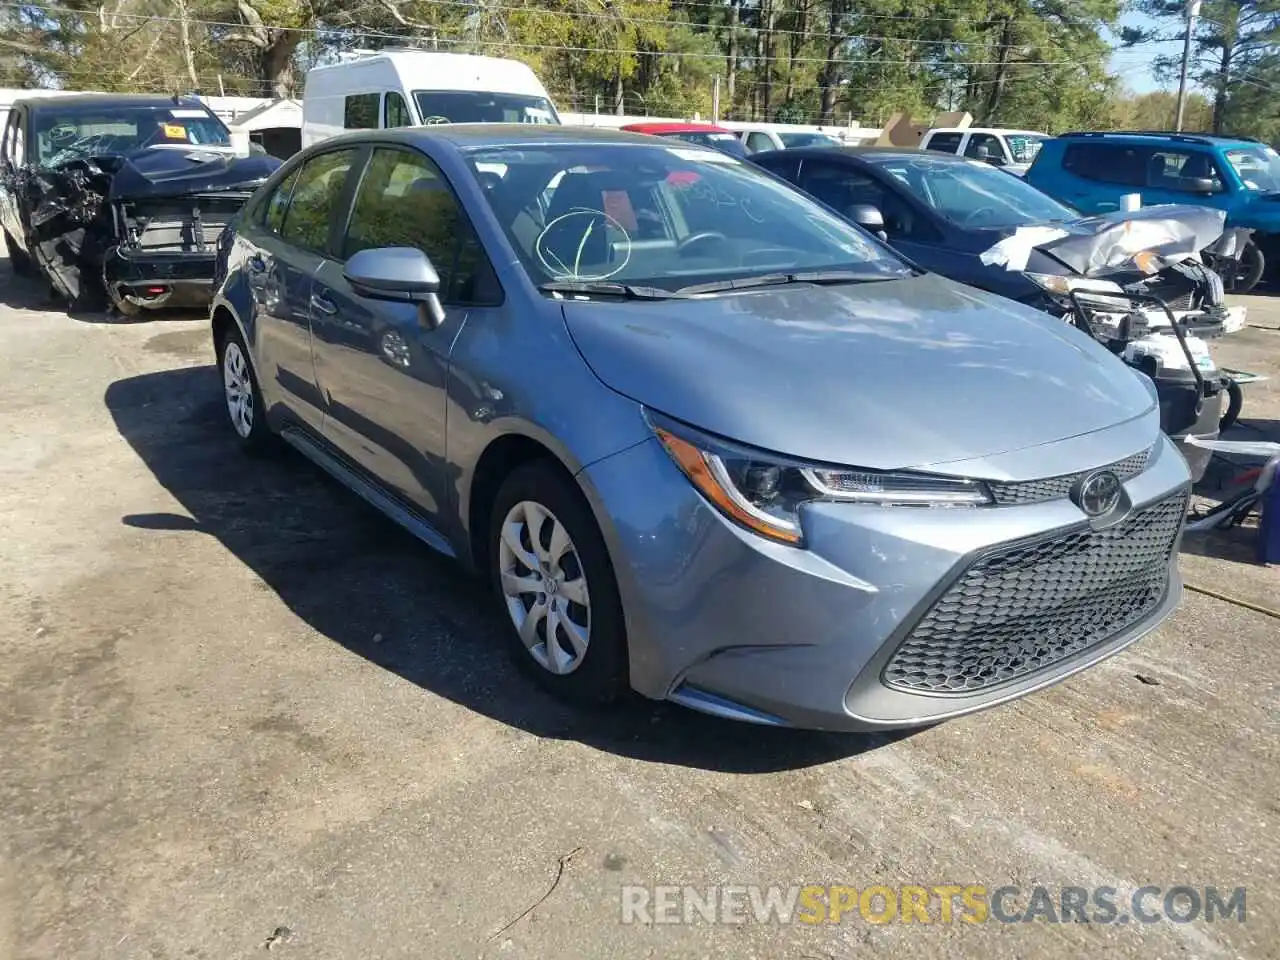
1201 185
868 217
402 274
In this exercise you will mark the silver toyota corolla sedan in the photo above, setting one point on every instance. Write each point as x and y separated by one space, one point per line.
707 440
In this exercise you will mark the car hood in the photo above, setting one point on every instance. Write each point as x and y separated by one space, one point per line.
883 375
171 171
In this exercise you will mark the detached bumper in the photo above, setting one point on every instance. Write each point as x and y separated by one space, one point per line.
151 280
858 630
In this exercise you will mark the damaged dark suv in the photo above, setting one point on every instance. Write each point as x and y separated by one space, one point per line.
120 199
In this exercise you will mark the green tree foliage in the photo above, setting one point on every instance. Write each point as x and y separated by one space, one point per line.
1039 64
1235 56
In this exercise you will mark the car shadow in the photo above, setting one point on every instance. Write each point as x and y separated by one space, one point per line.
35 293
1228 475
356 578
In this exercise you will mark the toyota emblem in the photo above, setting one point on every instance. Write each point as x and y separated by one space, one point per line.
1099 493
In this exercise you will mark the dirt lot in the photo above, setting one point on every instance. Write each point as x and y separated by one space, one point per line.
233 699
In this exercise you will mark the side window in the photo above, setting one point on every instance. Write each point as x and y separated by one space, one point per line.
315 195
278 203
1182 171
395 112
404 201
944 142
361 112
843 189
985 146
1108 163
758 142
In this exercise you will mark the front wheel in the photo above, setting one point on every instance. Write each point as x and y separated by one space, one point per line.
1243 274
241 395
553 578
19 259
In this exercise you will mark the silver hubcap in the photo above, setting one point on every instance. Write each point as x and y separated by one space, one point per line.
545 588
239 388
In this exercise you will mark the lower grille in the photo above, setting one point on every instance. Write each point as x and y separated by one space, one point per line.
1027 606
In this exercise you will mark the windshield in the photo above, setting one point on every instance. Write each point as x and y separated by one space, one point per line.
791 141
974 194
665 217
1023 147
104 128
1259 168
719 141
472 106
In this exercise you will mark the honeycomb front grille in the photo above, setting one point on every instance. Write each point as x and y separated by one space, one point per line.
1057 488
1029 605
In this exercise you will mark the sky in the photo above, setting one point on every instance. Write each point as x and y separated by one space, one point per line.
1134 64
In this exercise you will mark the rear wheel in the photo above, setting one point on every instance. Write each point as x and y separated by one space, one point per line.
241 395
553 578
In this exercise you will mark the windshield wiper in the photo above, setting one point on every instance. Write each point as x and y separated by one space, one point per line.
820 277
604 288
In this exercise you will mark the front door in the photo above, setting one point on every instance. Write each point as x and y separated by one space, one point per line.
382 368
12 156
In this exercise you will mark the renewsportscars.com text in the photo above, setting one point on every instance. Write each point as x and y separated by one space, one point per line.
934 904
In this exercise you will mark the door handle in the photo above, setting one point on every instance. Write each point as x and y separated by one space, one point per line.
321 305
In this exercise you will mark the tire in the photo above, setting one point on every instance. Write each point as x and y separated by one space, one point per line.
19 260
1235 403
242 399
538 498
1243 275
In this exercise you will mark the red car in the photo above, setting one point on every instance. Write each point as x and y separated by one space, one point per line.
703 134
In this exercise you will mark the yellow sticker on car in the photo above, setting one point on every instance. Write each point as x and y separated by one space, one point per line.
175 131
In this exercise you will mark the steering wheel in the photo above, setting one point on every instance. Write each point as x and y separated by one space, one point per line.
974 214
702 237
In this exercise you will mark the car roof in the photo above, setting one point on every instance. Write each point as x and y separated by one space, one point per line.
1009 130
470 136
111 100
675 128
1148 136
870 154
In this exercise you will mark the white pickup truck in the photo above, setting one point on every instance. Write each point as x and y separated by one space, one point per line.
1011 150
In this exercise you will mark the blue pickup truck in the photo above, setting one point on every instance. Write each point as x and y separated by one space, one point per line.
1092 171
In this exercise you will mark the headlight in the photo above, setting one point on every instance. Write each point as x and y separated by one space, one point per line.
1061 286
763 493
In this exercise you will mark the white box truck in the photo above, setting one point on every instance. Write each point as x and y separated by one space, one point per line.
377 90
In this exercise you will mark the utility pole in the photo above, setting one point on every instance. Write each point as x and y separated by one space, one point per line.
1193 11
715 99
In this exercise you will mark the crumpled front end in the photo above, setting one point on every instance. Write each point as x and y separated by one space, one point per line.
139 229
1144 284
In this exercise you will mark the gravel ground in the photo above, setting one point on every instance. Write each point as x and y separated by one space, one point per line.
239 711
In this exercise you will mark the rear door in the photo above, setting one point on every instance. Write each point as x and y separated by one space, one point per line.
287 248
381 367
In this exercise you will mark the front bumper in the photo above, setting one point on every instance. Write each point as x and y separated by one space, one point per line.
726 622
186 278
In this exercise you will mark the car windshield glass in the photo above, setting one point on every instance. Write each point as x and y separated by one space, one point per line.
793 140
974 194
665 217
1023 147
1259 168
720 141
63 133
472 106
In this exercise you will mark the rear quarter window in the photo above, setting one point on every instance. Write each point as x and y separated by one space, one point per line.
944 142
361 112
